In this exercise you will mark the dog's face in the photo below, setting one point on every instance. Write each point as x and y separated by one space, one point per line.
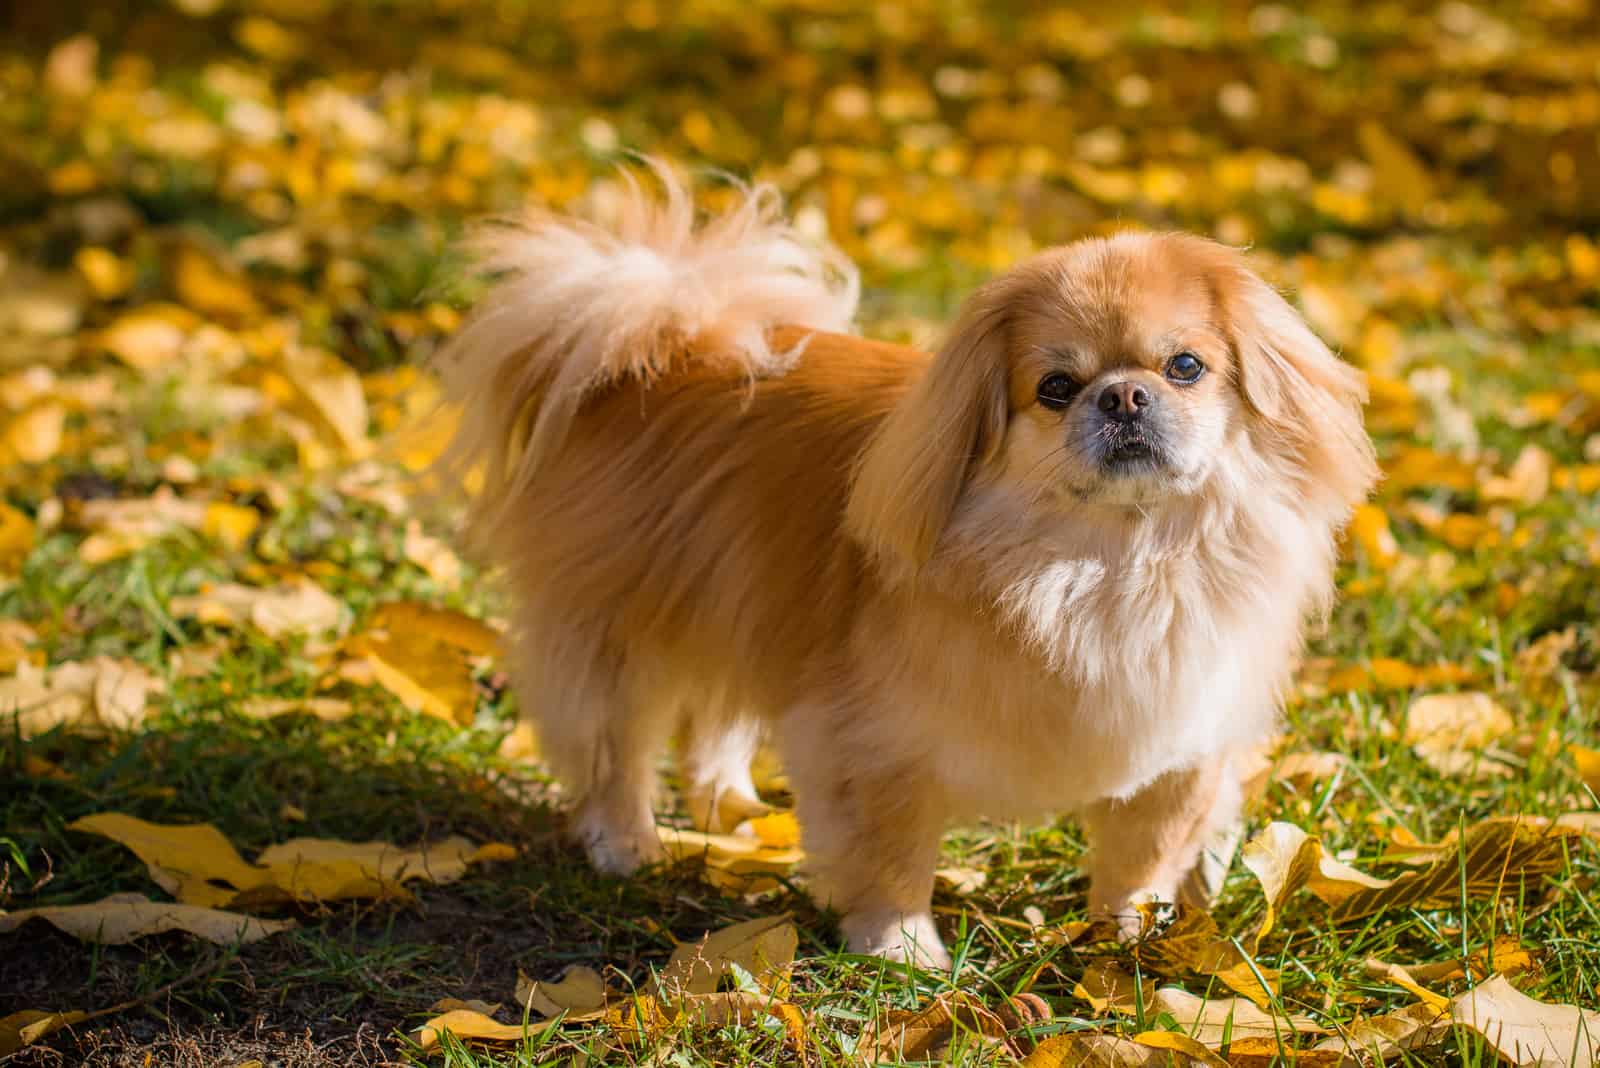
1121 383
1122 373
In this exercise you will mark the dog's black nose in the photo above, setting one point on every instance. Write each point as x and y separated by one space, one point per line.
1124 401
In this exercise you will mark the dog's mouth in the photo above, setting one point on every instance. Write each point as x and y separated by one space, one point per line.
1130 450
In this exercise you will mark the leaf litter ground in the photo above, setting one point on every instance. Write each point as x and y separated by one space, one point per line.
224 249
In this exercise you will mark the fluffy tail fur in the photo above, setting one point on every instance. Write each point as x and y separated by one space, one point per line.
577 306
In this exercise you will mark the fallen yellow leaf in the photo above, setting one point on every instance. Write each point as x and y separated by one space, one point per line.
777 830
122 918
149 338
733 862
1450 731
1081 1049
1284 858
90 696
30 1025
426 675
197 865
580 994
332 390
1369 527
763 948
297 606
433 556
442 624
466 1023
205 285
35 435
16 539
1180 1043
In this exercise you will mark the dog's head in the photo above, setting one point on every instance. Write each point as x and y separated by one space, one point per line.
1123 372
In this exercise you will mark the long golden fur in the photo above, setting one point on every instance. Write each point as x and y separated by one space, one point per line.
720 515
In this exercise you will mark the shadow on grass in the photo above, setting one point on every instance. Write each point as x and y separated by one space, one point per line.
341 987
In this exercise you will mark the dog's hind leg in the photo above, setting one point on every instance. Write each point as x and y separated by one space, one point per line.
602 746
715 754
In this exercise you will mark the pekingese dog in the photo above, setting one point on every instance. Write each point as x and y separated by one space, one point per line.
1062 563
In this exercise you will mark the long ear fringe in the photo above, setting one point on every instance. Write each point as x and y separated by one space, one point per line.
910 475
1308 396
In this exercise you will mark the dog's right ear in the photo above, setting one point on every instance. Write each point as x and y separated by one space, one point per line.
953 418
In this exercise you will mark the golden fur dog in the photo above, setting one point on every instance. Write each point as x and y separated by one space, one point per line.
1063 563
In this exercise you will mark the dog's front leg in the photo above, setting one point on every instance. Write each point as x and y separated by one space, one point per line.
872 843
1144 846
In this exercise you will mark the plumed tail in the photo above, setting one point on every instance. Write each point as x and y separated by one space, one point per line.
576 306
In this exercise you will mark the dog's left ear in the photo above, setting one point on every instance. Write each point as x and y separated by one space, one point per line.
1304 396
910 475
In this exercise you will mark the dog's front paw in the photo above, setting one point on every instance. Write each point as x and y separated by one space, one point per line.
1136 915
906 938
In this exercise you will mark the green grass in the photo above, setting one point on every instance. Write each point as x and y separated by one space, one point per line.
1497 301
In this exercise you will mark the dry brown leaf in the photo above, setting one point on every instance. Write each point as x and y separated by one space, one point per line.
206 285
149 338
1108 988
1526 483
1505 955
132 522
1082 1049
1400 976
733 862
327 709
1500 856
1192 944
1180 1043
1207 1020
90 696
1386 1037
1284 858
487 1008
961 880
918 1034
1450 731
1525 1031
762 948
296 606
433 555
28 1026
1300 769
122 918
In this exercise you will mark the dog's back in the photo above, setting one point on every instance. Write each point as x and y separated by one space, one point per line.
665 417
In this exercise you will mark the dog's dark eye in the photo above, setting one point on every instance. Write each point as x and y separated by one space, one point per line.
1185 367
1057 391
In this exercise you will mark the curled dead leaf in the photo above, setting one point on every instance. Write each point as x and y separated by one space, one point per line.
28 1026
